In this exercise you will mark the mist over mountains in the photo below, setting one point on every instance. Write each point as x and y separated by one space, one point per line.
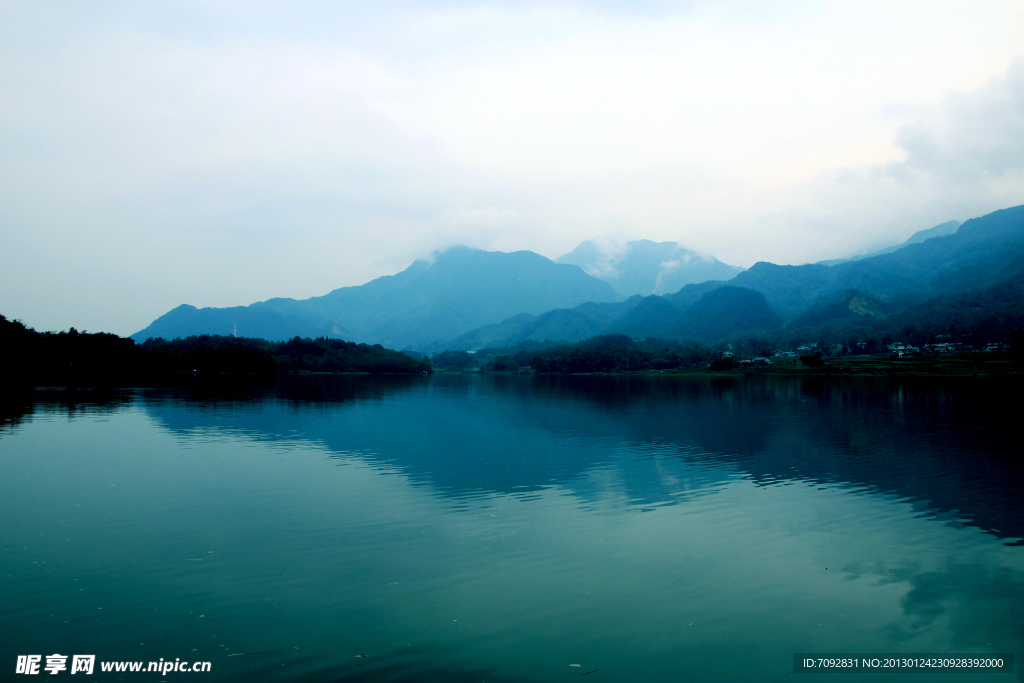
947 228
645 267
468 299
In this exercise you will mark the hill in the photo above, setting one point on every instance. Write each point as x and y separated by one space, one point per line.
459 290
851 305
725 313
978 254
75 358
720 314
561 324
976 318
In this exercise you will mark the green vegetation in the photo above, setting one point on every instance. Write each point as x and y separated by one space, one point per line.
974 319
453 360
507 357
619 353
78 358
210 354
603 353
70 357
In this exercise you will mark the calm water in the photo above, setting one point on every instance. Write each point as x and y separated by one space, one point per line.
462 528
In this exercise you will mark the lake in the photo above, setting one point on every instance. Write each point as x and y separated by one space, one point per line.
506 528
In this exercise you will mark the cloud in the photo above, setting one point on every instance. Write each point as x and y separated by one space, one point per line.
669 266
962 159
980 137
164 153
666 268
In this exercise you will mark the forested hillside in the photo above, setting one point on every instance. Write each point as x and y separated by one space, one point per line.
79 358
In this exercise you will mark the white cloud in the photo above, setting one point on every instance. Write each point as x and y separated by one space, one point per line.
219 154
963 159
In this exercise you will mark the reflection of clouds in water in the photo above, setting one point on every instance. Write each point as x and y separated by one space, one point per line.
979 604
541 505
982 605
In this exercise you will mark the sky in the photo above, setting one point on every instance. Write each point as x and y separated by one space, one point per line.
218 154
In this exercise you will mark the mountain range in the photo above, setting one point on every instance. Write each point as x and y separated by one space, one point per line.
467 299
964 276
441 298
947 228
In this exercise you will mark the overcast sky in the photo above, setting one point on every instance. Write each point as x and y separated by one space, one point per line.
154 154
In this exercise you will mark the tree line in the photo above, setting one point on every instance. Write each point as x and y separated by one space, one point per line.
73 357
603 353
620 353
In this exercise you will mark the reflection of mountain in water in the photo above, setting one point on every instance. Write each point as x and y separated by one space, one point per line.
942 443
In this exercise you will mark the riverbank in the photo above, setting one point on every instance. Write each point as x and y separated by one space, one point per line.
962 365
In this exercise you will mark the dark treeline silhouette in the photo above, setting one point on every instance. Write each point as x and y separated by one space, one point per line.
603 353
619 353
208 354
81 358
521 354
336 355
453 360
72 357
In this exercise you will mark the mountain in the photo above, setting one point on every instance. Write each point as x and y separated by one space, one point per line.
721 314
947 228
565 325
989 314
458 290
859 296
475 298
645 267
977 317
975 256
726 313
839 309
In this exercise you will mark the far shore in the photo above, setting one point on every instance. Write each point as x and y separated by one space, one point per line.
960 365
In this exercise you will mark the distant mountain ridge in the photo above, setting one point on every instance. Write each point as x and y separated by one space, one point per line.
468 299
947 228
971 257
932 266
719 313
644 267
459 290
